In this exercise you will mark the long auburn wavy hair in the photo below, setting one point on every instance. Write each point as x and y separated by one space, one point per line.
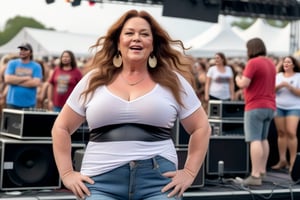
169 59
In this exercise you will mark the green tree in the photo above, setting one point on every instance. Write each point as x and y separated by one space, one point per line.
14 25
243 23
246 22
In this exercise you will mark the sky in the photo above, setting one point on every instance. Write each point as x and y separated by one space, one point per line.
93 20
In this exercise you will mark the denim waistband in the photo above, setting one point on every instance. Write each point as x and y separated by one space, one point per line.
129 132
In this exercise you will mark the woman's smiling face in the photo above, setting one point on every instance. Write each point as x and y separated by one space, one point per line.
288 64
136 40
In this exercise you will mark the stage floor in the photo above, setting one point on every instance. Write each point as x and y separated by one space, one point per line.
276 185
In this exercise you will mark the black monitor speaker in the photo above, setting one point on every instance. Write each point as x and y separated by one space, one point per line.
27 165
233 152
77 159
295 173
179 135
182 154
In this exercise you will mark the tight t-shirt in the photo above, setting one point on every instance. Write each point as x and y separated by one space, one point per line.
157 108
261 91
285 99
220 82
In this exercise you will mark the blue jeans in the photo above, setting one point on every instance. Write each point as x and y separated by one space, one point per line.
20 108
137 180
285 113
57 109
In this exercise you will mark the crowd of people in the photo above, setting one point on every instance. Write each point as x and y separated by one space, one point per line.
150 85
273 94
28 83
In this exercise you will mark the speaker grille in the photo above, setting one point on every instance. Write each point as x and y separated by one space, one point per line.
28 165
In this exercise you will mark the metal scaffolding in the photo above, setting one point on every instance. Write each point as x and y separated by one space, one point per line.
294 37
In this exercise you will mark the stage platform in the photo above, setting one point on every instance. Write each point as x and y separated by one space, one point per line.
276 185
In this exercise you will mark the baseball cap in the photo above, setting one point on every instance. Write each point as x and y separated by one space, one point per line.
25 46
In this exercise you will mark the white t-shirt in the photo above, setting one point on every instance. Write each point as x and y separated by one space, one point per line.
220 82
285 99
157 108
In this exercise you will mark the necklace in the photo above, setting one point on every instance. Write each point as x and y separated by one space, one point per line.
134 83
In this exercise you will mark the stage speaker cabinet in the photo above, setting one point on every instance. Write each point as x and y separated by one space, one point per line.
27 165
179 135
225 127
219 109
182 154
76 148
27 124
295 173
77 159
81 135
77 155
233 151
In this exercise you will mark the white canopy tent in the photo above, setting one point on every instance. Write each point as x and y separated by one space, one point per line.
47 43
277 40
282 45
218 38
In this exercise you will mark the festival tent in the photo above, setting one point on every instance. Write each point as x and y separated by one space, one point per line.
282 46
277 40
49 43
218 38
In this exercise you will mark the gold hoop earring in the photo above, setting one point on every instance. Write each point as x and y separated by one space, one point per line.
117 60
152 61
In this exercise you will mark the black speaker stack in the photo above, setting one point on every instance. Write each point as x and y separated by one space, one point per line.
295 173
228 153
181 138
226 117
26 155
182 154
